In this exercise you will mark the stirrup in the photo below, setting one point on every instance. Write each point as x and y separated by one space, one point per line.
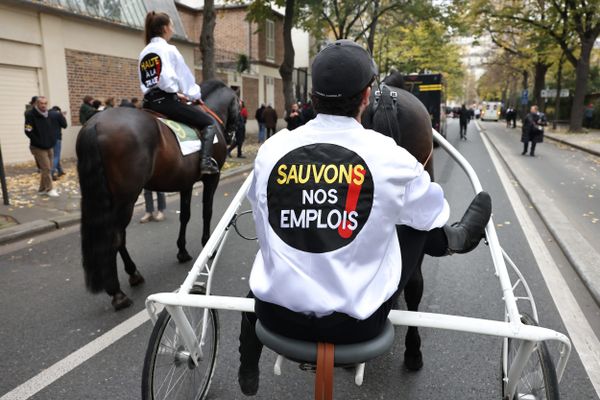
211 169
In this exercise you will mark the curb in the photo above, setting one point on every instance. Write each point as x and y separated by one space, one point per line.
578 147
33 228
576 249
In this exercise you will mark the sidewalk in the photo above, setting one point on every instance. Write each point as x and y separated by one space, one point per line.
581 254
30 214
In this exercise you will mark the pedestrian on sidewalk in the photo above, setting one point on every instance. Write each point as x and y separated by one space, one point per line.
41 131
261 123
463 119
270 118
161 205
240 132
533 130
60 123
588 116
87 109
294 118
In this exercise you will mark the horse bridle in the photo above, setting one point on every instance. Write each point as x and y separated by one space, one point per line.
379 98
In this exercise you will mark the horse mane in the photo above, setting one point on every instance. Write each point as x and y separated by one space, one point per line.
210 86
395 79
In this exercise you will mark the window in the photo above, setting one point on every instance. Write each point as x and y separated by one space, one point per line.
270 34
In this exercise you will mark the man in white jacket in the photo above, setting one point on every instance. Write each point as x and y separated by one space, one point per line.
326 200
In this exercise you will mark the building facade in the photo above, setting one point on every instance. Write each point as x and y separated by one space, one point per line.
67 49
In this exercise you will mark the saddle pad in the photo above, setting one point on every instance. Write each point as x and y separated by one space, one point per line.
187 137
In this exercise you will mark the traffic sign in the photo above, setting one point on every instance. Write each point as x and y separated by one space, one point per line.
551 93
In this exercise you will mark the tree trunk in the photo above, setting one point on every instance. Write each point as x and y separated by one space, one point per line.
287 67
524 109
539 81
373 27
558 88
581 80
207 40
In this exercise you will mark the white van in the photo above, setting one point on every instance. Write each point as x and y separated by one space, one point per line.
490 110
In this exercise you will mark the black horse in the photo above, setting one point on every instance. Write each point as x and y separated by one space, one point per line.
120 151
397 113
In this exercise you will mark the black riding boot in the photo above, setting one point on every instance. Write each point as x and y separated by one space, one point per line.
465 235
208 165
250 350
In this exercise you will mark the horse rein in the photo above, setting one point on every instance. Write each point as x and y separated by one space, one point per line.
378 95
205 108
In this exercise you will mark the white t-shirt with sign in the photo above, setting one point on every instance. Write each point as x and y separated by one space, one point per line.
326 199
161 65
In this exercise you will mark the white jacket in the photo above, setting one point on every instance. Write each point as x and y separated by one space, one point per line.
161 65
326 199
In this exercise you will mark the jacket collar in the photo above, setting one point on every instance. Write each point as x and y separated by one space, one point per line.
158 39
334 122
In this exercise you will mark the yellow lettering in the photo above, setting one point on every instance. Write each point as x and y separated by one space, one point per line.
345 173
317 175
281 172
359 174
328 177
292 175
303 179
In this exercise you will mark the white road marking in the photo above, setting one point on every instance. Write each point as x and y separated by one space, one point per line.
75 359
580 331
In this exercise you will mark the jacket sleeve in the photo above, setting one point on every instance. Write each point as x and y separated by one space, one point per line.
29 124
62 120
185 78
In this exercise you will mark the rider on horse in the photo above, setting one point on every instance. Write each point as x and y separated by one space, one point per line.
168 83
326 201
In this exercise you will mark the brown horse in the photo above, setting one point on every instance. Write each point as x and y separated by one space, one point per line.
397 113
120 151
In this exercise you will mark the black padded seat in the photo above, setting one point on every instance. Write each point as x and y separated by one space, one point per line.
345 354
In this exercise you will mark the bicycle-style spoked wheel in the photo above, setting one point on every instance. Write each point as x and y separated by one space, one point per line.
169 372
538 380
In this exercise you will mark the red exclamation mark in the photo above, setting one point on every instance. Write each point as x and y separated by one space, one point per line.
352 199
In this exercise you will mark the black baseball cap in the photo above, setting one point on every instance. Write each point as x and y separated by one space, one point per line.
342 69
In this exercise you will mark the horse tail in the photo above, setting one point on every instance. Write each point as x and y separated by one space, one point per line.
97 217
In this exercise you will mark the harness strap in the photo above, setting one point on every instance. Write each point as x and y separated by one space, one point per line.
212 113
428 157
324 373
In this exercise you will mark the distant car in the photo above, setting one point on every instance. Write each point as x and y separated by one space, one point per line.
490 110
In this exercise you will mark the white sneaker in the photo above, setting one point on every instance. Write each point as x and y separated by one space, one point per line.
146 218
159 216
52 193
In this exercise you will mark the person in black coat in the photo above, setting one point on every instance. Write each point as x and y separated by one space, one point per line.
294 118
533 130
41 131
463 119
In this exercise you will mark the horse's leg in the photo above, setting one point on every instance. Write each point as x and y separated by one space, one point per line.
210 186
413 293
111 283
120 299
135 278
184 217
412 244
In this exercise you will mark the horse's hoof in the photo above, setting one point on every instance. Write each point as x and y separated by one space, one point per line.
413 362
136 279
183 257
121 301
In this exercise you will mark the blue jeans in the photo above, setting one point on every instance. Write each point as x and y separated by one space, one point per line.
56 167
160 199
261 132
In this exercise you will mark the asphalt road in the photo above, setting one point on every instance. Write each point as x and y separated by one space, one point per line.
48 315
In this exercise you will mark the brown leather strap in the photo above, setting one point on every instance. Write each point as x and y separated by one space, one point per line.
428 157
324 376
211 112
